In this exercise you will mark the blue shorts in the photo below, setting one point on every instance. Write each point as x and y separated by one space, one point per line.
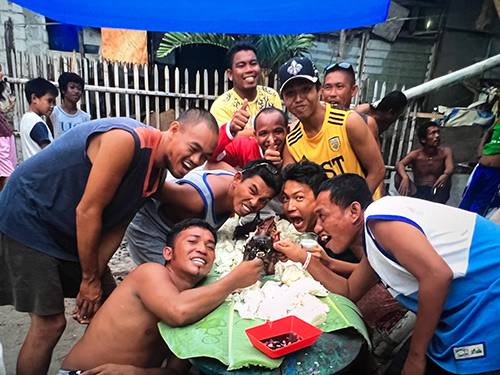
481 192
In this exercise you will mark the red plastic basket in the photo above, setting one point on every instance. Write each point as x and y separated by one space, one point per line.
306 332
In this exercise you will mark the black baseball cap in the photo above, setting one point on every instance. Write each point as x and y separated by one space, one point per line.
297 67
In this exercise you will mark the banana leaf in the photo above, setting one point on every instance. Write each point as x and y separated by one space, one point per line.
221 334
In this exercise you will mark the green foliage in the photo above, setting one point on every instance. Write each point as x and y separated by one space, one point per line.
171 41
272 50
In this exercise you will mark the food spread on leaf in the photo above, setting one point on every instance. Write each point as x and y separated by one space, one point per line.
293 292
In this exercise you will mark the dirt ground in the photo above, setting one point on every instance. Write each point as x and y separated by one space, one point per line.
14 325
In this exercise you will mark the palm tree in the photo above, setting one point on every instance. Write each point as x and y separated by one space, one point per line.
272 50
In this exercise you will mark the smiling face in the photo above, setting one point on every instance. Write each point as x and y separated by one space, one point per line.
270 131
299 204
244 71
73 92
301 98
43 105
183 148
334 226
250 195
337 89
193 253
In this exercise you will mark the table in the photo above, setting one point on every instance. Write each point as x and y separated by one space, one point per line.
333 353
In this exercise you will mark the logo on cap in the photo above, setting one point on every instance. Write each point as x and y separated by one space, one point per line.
294 68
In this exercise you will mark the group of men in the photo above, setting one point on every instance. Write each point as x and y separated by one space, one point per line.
66 210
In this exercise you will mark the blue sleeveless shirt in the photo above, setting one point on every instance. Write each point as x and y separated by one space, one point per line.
467 337
38 203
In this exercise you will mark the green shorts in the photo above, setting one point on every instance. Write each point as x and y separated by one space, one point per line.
36 282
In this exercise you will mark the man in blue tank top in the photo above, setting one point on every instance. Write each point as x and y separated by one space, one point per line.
65 210
438 261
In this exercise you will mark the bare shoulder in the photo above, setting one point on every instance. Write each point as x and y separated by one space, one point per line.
415 154
447 150
356 126
110 141
147 269
219 183
363 108
148 277
354 116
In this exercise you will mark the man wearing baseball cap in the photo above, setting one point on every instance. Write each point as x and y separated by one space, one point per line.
337 140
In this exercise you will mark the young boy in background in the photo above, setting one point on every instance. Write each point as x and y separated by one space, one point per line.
68 115
35 134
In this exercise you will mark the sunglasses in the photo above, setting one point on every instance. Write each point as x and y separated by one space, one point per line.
342 65
269 167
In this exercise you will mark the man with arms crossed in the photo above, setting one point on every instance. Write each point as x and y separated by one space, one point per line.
242 103
337 140
445 271
123 336
64 213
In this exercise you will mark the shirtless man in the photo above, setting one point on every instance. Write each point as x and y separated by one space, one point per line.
210 195
432 167
84 189
123 337
384 114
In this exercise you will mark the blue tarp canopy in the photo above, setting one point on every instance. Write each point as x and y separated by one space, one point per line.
215 16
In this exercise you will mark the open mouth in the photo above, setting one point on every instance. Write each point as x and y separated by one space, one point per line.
297 221
324 239
199 261
187 165
246 209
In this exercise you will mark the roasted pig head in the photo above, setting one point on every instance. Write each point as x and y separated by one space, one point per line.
260 245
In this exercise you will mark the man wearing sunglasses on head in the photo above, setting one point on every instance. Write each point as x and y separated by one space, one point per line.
336 139
339 88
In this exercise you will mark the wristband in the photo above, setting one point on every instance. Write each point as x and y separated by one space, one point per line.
308 260
228 131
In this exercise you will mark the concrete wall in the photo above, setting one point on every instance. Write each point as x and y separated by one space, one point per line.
29 31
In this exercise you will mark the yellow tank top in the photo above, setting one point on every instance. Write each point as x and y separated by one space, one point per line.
330 148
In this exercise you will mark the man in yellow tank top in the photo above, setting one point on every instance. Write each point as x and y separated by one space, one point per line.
337 140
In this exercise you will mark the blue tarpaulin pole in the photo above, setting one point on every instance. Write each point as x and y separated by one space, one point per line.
215 16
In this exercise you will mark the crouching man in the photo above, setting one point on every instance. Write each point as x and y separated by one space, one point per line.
123 337
438 261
